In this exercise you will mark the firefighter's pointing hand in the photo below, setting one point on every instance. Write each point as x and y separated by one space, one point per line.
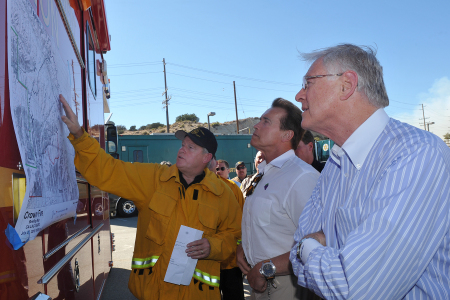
70 119
198 249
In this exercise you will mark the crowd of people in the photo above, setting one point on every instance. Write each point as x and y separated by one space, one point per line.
372 223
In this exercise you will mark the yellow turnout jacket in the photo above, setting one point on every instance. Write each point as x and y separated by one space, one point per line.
164 205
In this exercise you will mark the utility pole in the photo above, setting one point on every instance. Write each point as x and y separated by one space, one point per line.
235 105
166 102
423 112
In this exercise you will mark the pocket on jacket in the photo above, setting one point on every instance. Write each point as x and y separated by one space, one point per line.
208 216
162 207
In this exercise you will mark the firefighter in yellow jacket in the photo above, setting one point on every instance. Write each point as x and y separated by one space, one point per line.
231 284
167 197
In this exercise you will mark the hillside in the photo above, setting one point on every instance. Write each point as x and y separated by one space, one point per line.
216 127
245 127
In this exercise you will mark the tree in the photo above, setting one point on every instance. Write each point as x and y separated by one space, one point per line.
143 127
447 137
121 129
187 117
154 125
133 128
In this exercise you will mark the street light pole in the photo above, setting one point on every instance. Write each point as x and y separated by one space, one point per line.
428 125
210 114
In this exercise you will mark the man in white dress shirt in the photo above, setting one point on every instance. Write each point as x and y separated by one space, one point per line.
274 203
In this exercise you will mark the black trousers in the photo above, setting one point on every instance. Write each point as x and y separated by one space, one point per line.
231 284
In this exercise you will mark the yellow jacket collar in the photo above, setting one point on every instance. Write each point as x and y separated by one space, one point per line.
210 183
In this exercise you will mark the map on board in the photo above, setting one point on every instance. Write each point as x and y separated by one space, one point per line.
37 75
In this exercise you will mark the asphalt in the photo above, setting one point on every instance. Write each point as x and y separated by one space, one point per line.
116 287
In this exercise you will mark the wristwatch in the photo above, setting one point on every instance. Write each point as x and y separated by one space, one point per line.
299 255
268 269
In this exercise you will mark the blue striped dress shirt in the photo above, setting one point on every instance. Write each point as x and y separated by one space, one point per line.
383 203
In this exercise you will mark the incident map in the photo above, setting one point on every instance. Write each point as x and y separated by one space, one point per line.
37 75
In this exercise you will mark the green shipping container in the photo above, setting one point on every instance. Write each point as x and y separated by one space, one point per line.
164 147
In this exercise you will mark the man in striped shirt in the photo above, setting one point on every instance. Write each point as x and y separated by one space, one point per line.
377 223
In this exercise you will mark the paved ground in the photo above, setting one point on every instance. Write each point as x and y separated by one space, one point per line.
116 287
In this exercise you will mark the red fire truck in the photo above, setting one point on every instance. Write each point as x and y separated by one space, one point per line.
71 258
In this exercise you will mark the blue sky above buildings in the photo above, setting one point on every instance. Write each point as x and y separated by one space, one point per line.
209 44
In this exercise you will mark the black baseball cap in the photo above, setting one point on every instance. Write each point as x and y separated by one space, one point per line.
200 136
239 163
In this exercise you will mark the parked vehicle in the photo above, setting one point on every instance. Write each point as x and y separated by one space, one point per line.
121 207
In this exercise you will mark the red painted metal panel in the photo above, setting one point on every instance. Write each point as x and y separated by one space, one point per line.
101 25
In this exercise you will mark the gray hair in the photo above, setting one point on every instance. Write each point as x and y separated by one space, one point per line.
361 60
208 165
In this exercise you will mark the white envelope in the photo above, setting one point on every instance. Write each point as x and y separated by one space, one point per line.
181 267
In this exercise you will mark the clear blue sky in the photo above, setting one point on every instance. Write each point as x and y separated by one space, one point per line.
209 44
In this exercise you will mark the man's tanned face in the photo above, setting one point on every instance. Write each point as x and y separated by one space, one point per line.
222 171
241 171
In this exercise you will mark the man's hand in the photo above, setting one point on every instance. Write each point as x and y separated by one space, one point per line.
318 236
241 261
256 280
198 249
70 119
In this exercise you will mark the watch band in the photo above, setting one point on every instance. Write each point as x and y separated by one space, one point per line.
299 249
264 262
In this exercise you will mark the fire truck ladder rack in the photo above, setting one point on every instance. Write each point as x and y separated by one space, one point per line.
54 250
53 271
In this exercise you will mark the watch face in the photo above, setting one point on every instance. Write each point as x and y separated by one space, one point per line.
268 269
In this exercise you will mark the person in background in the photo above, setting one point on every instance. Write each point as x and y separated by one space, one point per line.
305 151
186 193
259 158
377 225
223 169
241 173
231 283
273 204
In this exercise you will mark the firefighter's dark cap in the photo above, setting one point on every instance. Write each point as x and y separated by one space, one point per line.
239 163
200 136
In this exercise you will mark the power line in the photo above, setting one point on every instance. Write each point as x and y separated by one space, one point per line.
141 90
142 64
234 76
405 103
198 78
403 107
135 73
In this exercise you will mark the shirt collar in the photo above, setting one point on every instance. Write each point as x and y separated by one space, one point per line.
277 162
197 179
358 145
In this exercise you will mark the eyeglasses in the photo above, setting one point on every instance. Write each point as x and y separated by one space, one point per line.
253 185
221 169
241 168
305 79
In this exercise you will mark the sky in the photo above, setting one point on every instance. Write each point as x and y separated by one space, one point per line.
209 44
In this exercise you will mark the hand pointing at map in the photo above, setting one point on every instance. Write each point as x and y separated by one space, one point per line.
70 119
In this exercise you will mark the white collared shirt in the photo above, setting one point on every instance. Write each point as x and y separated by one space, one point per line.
271 213
358 145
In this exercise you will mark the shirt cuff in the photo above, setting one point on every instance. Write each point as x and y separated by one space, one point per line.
308 245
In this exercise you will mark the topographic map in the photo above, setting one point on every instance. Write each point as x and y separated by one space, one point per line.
37 75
